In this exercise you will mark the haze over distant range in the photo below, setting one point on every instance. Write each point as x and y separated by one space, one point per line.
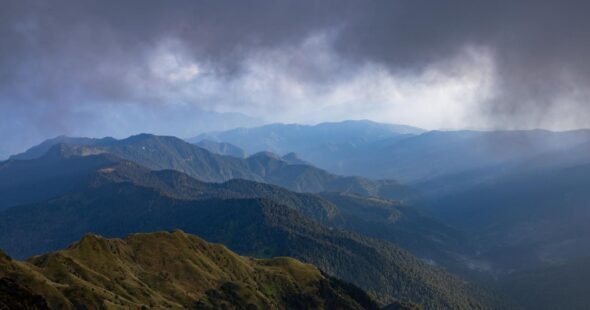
97 68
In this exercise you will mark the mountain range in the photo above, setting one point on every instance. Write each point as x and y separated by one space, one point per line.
331 146
121 197
507 209
64 168
163 152
410 155
520 195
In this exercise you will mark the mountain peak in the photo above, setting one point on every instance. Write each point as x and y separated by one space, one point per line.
139 137
149 138
91 238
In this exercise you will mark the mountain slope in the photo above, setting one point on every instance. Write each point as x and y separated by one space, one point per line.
26 181
114 206
524 217
174 270
159 152
374 217
406 227
67 168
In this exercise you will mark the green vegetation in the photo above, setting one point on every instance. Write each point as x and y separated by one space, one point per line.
371 216
120 197
169 270
161 153
255 227
403 226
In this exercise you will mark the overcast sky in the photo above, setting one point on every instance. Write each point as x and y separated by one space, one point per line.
101 67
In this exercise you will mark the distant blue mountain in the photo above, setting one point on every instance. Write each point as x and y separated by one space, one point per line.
403 153
331 146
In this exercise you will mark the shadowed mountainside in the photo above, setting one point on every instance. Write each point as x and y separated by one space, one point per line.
530 216
61 171
161 152
124 198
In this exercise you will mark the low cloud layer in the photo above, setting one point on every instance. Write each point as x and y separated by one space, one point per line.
120 67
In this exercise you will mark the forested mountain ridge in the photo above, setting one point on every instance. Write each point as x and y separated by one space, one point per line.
124 198
521 194
163 152
375 217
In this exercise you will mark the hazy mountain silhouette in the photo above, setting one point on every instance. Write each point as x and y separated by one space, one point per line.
387 151
332 146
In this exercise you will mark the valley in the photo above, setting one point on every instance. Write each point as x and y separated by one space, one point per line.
459 236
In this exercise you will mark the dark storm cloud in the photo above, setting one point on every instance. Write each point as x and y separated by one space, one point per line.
57 57
532 35
541 47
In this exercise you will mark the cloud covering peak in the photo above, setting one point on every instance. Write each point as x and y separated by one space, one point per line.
88 66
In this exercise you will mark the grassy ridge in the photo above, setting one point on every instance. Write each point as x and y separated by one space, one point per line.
171 270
